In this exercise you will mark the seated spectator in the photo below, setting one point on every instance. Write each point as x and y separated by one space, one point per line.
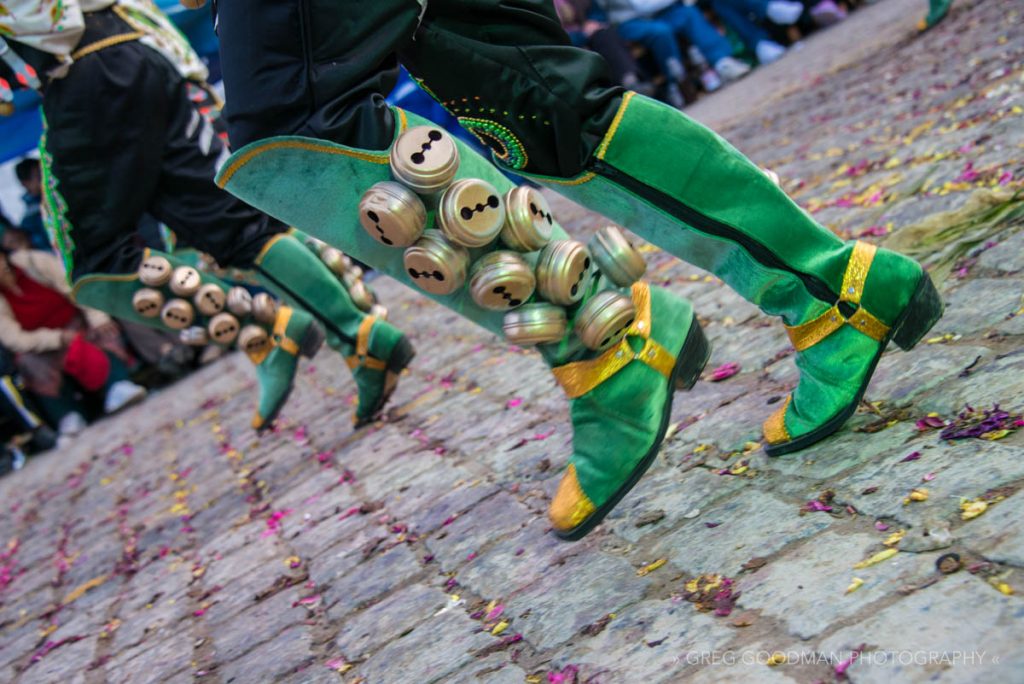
588 27
745 17
19 422
61 351
30 176
656 24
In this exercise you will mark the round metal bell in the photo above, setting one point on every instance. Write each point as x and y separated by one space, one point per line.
353 274
604 319
501 280
210 299
177 314
536 323
253 339
392 214
563 272
528 220
379 311
616 257
774 177
239 301
361 295
424 158
335 260
194 336
155 271
471 213
147 302
223 328
185 281
264 308
436 265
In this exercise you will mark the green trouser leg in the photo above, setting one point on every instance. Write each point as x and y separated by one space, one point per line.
290 268
292 333
620 398
682 187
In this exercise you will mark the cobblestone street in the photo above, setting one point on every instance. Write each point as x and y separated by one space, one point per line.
170 544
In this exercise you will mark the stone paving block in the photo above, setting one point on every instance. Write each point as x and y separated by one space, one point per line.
234 634
1007 256
64 664
486 522
999 533
993 383
285 655
926 375
429 653
517 561
670 492
979 305
964 468
806 592
374 577
844 451
484 673
652 641
959 615
395 615
582 590
743 664
342 550
753 524
169 660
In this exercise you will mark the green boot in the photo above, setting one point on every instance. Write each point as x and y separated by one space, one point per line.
937 11
621 386
168 293
695 196
376 351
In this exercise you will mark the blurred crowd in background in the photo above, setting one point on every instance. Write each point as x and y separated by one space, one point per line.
63 366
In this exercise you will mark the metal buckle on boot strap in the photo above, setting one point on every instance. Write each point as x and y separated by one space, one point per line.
814 331
580 377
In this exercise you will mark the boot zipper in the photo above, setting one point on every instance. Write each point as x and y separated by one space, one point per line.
817 287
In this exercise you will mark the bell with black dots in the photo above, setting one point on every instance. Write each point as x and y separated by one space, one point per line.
253 339
223 328
147 302
392 214
616 257
535 323
501 280
471 213
185 281
210 299
425 159
436 265
604 320
155 271
177 314
563 272
528 220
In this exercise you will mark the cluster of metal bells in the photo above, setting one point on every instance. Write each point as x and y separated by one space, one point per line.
350 275
470 214
225 311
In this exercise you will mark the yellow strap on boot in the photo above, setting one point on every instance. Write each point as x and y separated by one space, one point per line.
814 331
362 356
579 377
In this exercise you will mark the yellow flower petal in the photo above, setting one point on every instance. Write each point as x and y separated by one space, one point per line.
877 558
854 585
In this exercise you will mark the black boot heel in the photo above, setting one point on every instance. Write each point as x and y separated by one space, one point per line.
312 340
401 356
693 357
923 312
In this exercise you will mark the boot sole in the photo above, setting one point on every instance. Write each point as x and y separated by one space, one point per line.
401 356
312 340
690 362
920 315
